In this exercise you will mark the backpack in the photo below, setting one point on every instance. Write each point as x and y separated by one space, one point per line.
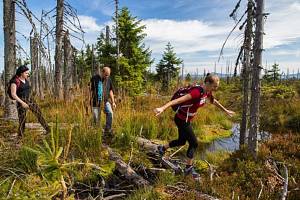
100 90
18 83
183 91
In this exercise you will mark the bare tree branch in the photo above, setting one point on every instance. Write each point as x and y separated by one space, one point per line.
233 13
18 46
237 60
221 52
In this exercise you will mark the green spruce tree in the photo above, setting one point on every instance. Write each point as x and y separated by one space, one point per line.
135 58
106 53
188 78
167 68
273 74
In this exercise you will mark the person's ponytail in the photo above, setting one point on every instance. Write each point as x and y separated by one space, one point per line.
210 78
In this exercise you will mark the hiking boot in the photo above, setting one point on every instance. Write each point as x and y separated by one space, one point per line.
107 136
161 150
191 171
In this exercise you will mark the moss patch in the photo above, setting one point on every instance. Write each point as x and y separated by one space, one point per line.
209 133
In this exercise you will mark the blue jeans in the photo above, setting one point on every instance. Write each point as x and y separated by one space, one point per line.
96 115
109 115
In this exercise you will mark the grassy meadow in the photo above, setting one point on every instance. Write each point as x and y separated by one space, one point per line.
71 161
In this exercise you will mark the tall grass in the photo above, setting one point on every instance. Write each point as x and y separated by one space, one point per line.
133 117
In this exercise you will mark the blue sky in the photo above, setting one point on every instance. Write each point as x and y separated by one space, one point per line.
196 29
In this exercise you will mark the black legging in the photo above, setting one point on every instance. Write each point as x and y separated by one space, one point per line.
185 133
35 110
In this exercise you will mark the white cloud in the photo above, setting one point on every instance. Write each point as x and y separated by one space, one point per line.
191 36
282 25
282 28
89 24
283 52
91 28
186 36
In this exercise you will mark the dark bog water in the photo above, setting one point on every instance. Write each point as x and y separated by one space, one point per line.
232 143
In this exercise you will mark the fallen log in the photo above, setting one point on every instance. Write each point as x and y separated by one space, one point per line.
126 170
147 145
150 147
169 164
38 126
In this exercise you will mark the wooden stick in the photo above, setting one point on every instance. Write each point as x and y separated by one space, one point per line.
176 152
156 170
11 188
260 192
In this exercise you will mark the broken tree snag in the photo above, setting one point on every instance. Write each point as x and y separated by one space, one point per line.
147 145
126 170
212 170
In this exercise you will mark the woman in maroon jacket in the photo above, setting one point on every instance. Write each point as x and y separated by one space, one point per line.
193 100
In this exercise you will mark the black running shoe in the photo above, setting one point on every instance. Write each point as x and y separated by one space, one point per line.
191 171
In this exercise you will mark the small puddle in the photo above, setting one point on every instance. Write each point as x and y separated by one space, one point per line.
232 143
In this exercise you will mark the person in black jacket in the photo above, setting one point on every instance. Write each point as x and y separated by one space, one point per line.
102 91
96 95
20 91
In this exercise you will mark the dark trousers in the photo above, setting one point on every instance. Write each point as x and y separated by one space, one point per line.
185 133
36 111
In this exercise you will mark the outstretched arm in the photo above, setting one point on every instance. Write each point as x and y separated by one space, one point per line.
219 105
174 102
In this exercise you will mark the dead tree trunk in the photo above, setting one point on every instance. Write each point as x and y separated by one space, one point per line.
49 82
246 72
68 57
75 74
41 68
9 26
80 69
58 91
2 89
34 48
256 70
